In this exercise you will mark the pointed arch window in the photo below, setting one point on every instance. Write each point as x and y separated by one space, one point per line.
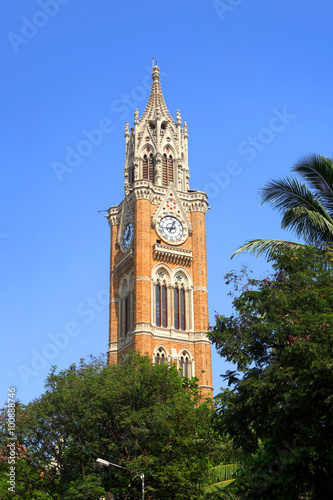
148 167
161 305
160 357
167 169
185 365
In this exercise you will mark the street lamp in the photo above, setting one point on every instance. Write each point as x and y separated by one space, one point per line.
100 461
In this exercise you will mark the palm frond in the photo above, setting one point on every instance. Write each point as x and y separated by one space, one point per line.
285 194
312 226
317 171
222 472
267 248
220 478
219 490
306 210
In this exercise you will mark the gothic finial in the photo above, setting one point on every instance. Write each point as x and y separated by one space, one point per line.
156 73
179 118
126 130
185 130
136 116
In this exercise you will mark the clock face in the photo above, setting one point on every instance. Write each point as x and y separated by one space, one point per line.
171 228
128 235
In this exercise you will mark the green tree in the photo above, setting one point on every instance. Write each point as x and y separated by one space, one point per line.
306 209
141 416
278 407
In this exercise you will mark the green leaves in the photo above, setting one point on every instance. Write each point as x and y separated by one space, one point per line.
135 414
280 339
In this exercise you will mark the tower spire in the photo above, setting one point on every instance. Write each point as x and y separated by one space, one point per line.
156 103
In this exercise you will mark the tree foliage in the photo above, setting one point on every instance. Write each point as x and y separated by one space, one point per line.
141 416
306 209
279 405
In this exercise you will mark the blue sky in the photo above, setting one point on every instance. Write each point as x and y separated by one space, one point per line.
253 80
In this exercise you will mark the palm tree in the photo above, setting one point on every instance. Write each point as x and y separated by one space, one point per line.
219 479
306 209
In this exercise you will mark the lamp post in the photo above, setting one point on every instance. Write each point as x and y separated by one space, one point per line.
100 461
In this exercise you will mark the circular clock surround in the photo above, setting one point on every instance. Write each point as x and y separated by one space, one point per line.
171 229
128 235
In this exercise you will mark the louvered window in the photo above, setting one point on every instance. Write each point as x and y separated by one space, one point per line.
148 167
167 170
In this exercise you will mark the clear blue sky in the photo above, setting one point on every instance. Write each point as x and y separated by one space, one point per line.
253 80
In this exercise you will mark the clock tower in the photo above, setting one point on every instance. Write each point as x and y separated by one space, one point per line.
158 270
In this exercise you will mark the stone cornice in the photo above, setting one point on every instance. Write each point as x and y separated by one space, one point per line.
113 215
192 201
166 253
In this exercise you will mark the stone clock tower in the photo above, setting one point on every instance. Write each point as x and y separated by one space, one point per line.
158 281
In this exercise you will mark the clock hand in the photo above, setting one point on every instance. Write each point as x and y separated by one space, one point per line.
172 228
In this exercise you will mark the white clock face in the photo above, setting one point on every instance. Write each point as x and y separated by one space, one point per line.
171 228
128 235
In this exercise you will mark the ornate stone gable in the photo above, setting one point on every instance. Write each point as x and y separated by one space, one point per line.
171 206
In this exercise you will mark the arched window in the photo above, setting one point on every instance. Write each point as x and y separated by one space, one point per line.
179 308
167 169
148 167
185 365
160 356
161 305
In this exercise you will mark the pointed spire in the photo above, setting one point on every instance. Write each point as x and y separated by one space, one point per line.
156 106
